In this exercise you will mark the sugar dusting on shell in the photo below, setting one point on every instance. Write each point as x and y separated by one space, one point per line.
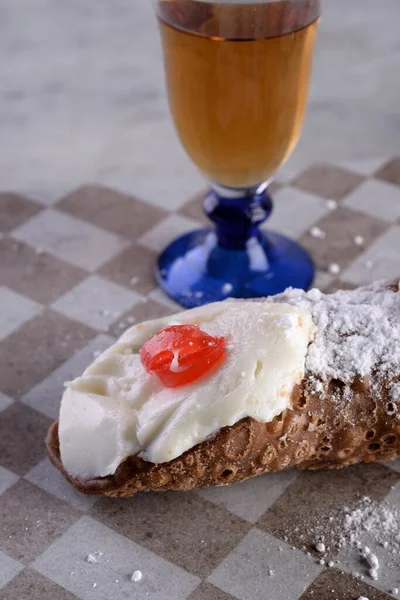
357 332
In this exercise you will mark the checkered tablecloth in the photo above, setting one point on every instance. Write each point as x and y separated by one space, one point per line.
73 274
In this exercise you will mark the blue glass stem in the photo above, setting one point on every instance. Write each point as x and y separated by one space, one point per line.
235 258
237 220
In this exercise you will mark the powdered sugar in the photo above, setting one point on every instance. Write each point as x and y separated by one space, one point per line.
288 322
379 520
376 524
357 332
394 390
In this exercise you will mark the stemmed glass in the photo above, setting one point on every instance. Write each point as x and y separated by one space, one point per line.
237 76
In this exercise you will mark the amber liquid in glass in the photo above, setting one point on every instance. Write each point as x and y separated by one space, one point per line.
238 78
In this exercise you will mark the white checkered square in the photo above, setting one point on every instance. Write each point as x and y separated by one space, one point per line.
65 563
295 211
9 568
15 310
96 302
70 239
376 198
7 479
46 396
263 491
47 477
263 567
166 231
380 261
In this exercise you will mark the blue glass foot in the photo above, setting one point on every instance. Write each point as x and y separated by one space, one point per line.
235 259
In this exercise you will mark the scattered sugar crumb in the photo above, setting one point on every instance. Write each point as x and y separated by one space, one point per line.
331 204
131 320
371 558
358 240
331 563
227 288
369 264
317 233
91 559
395 591
94 585
136 576
271 572
320 547
321 561
373 573
362 598
334 269
117 581
134 280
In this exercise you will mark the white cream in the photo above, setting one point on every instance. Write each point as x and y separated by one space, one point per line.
116 409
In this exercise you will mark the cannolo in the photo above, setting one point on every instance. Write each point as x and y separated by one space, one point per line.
221 393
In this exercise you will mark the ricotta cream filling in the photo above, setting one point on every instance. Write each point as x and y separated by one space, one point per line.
116 409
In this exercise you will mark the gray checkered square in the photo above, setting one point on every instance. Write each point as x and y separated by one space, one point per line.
30 585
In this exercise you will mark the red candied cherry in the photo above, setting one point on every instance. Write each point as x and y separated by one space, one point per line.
181 354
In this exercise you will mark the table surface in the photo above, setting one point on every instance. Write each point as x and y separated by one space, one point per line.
73 276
